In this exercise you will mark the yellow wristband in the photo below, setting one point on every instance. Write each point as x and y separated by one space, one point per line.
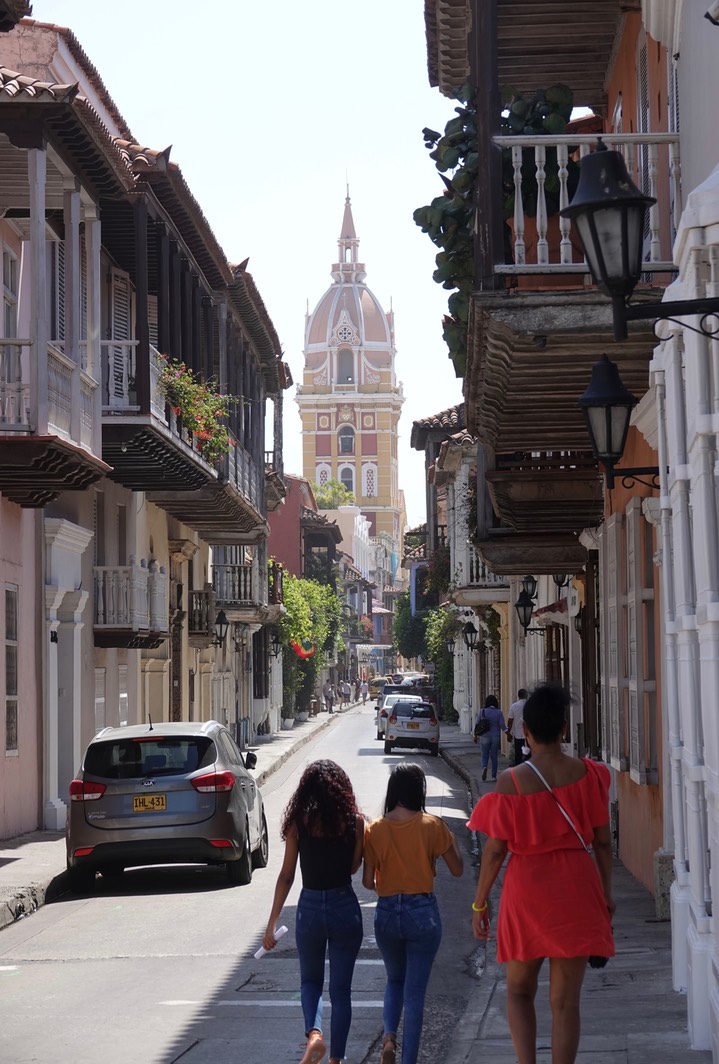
479 908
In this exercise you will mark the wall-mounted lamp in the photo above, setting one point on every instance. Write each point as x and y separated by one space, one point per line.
524 607
529 584
276 643
471 636
607 407
450 644
221 626
608 212
578 623
561 580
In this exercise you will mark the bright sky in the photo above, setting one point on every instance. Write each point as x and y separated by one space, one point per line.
270 109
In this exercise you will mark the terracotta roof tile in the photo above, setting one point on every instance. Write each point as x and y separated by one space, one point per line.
447 421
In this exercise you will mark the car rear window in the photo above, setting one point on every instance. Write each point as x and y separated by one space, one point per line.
411 709
127 759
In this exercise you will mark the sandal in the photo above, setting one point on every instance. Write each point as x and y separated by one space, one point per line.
389 1050
316 1048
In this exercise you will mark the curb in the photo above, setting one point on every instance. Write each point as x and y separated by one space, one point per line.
302 741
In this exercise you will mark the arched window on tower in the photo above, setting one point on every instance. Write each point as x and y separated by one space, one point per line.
369 480
323 473
345 366
346 437
347 478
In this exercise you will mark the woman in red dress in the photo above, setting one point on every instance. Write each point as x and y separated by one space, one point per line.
556 899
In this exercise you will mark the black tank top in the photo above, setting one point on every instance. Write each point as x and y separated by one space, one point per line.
326 863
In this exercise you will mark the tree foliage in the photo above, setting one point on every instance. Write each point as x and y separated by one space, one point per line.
409 631
312 613
332 495
441 624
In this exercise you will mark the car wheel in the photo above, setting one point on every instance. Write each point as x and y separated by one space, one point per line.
81 880
239 872
434 749
387 747
262 854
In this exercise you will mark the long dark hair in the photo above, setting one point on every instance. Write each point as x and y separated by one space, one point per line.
324 803
407 787
546 712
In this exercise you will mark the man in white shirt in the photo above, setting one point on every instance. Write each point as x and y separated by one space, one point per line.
515 724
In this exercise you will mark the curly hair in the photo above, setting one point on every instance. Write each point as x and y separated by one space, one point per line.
324 803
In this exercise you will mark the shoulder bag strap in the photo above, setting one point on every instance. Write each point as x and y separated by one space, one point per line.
562 810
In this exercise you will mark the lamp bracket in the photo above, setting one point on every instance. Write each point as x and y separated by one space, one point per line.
631 476
705 308
542 631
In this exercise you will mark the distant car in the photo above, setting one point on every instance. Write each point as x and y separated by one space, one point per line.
384 708
165 794
412 724
376 685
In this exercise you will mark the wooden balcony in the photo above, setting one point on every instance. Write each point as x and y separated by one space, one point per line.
477 585
201 609
242 593
48 425
131 605
552 492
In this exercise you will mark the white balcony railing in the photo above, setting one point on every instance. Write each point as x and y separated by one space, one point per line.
472 571
16 398
131 596
234 584
653 155
14 386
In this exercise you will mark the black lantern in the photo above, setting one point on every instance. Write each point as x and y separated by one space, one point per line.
578 623
276 644
450 644
471 635
607 407
221 626
561 580
524 606
609 212
529 584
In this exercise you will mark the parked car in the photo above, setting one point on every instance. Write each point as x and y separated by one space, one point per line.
413 724
384 708
165 794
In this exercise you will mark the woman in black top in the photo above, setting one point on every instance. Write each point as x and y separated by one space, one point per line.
324 828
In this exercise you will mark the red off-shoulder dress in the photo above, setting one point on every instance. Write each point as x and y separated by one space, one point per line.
552 902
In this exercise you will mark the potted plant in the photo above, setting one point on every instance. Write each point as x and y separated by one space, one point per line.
198 405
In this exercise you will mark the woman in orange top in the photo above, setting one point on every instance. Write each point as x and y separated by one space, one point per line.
556 897
400 851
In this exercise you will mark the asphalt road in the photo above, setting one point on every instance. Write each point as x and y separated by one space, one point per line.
160 969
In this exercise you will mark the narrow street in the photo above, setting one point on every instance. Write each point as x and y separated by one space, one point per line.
161 969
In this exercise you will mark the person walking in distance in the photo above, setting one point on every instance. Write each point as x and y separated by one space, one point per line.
324 828
401 849
552 815
490 739
515 724
364 691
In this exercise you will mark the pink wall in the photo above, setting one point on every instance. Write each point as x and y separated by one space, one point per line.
285 540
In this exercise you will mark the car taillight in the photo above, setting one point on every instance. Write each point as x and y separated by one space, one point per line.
85 791
215 781
383 713
393 719
433 722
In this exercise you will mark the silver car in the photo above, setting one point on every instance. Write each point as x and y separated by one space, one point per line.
384 708
413 724
165 794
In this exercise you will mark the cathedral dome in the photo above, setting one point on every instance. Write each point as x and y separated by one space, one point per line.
348 312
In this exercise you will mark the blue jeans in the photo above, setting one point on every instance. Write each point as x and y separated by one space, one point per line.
490 750
328 917
408 930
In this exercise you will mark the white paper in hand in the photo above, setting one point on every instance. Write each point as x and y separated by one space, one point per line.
278 934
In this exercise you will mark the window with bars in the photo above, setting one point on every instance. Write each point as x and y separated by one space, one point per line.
369 474
322 475
11 669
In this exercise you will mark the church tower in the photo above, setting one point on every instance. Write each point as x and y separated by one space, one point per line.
349 399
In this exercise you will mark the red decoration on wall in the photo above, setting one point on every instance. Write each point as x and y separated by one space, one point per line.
303 650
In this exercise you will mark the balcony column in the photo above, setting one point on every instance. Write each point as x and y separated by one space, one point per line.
39 325
186 313
93 316
142 354
71 218
175 302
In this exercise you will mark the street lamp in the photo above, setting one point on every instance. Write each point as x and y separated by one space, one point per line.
221 626
609 211
561 580
529 584
276 644
607 407
471 635
524 607
450 644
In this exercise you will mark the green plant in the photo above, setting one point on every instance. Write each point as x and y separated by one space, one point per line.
312 612
333 494
441 625
449 219
409 629
545 113
440 573
199 405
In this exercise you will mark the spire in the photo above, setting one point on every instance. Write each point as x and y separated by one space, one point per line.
348 269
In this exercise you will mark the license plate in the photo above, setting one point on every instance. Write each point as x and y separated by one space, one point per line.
413 726
149 803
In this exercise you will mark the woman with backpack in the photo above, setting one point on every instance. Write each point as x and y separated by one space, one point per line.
488 728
